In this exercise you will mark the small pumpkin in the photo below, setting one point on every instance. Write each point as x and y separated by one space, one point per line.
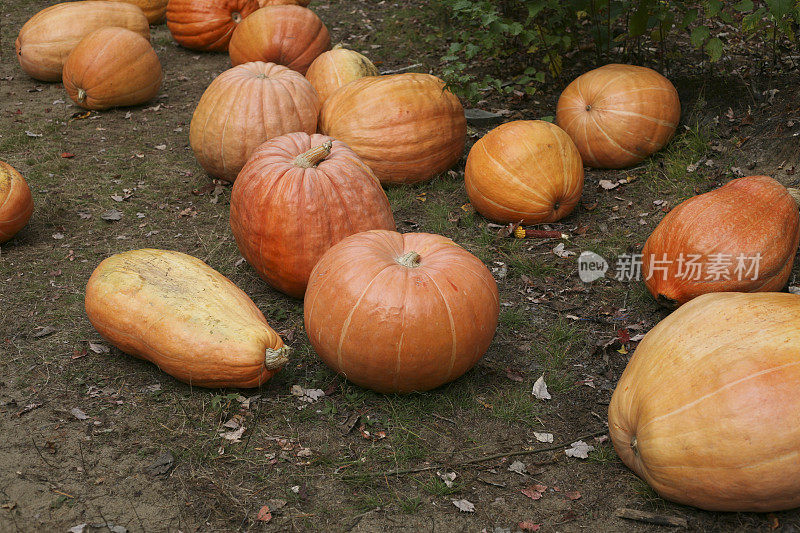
245 106
289 35
400 312
741 237
112 67
48 37
336 68
525 171
297 196
16 203
619 114
706 410
177 312
154 10
206 25
406 127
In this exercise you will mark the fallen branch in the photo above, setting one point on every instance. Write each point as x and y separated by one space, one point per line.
395 71
651 518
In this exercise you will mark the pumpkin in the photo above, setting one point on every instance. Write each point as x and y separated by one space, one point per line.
16 203
297 196
706 410
45 41
245 106
525 171
112 67
619 114
406 127
741 237
264 3
206 25
177 312
400 312
154 10
335 68
285 34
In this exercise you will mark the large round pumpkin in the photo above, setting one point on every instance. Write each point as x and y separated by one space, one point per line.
154 10
206 25
706 411
16 203
336 68
525 171
45 41
177 312
285 34
245 106
406 127
112 67
619 114
400 312
297 196
741 237
263 3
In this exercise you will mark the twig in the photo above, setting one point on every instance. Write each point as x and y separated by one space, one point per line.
395 71
40 454
651 518
440 417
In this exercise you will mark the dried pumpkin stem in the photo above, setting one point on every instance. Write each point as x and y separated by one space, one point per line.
409 260
236 17
311 158
794 193
81 95
275 359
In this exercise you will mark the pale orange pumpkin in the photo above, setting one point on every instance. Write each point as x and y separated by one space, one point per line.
741 237
177 312
206 25
619 114
525 171
16 203
706 410
400 312
112 67
285 34
336 68
154 10
406 127
245 106
48 37
297 196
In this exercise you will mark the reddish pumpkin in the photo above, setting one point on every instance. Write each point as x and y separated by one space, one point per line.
206 25
336 68
16 203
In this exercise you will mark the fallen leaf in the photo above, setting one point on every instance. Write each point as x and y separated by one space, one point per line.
514 374
540 389
111 215
77 413
162 464
99 348
529 526
561 252
233 436
31 134
543 437
447 478
307 395
579 450
67 155
532 493
573 495
518 467
160 147
464 506
608 184
45 331
264 515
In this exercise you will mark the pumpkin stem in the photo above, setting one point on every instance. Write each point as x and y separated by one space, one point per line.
236 17
338 46
795 193
634 446
81 95
311 158
275 359
409 260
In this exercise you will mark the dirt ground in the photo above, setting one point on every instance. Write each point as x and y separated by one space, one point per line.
92 436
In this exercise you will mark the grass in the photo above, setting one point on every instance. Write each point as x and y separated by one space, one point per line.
516 406
436 487
666 172
554 351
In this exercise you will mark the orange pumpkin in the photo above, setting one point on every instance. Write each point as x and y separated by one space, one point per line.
45 41
206 25
706 410
406 127
619 114
297 196
336 68
154 10
285 34
741 237
16 203
245 106
400 312
112 67
174 310
264 3
525 171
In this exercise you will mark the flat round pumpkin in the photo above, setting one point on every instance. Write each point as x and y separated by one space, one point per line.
112 67
245 106
206 25
525 171
336 68
154 10
406 127
619 114
297 196
400 312
16 203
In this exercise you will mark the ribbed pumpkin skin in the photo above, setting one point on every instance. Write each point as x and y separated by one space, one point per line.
16 203
112 67
206 25
706 411
154 10
395 328
285 34
285 217
406 127
264 3
45 41
526 170
747 216
245 106
619 114
174 310
336 68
